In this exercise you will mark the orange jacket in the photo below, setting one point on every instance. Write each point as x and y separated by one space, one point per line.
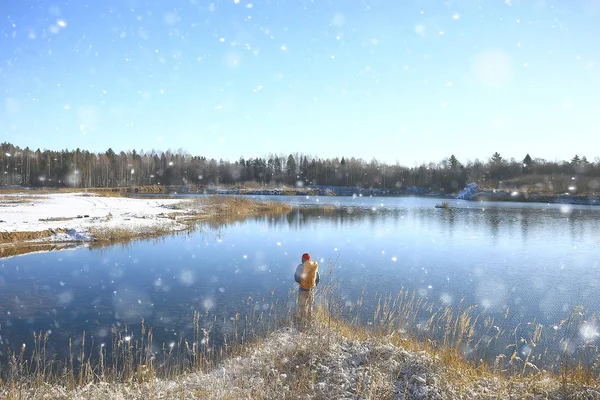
307 274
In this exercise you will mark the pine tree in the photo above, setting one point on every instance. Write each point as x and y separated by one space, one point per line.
454 164
527 163
497 158
290 169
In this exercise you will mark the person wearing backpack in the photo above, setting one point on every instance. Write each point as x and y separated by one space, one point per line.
307 276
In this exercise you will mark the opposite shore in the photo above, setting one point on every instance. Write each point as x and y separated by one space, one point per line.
471 192
507 192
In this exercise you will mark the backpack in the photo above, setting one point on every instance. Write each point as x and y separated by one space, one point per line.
308 280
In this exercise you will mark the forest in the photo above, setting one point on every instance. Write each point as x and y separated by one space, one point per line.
83 169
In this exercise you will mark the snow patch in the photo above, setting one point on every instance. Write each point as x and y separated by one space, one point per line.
469 192
71 216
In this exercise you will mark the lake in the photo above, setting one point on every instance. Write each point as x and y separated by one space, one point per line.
519 262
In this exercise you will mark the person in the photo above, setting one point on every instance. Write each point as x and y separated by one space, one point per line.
307 276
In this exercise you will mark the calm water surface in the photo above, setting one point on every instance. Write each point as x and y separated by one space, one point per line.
536 260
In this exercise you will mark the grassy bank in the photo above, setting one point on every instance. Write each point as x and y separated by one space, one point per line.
268 354
330 359
232 206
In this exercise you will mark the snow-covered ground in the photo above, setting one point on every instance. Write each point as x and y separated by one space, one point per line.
322 364
470 191
77 213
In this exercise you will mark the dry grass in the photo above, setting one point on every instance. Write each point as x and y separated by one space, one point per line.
235 205
247 185
130 364
105 192
56 219
254 185
387 356
211 208
120 235
8 201
17 237
329 360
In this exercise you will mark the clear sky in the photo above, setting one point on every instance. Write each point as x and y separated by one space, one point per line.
398 80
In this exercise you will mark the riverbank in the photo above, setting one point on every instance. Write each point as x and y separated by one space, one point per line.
473 192
513 195
521 194
329 360
322 190
42 222
527 197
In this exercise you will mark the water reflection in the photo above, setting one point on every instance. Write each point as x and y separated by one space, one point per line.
10 250
526 261
492 222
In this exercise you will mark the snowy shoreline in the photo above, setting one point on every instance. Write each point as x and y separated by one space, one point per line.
69 217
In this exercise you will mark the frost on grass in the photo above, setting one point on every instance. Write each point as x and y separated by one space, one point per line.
327 363
289 364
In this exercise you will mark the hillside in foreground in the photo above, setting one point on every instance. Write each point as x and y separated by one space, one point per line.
329 360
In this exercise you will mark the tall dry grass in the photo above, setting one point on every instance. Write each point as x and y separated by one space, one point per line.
237 205
460 343
131 354
105 192
120 235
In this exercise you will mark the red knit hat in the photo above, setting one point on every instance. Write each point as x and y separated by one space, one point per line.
305 257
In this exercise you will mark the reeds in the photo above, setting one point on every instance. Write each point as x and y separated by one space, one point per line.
468 348
131 354
120 235
235 205
480 339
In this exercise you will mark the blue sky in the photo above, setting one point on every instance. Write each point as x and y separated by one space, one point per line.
407 81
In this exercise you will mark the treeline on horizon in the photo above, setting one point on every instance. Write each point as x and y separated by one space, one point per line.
81 168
